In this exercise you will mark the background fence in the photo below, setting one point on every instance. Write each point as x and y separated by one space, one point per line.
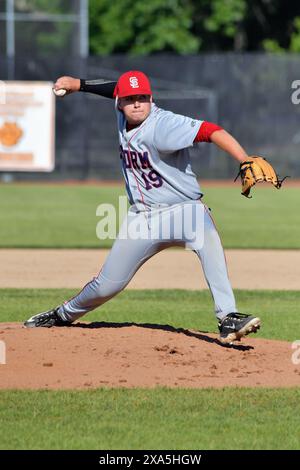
248 94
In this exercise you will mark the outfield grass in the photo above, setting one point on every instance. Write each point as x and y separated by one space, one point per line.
65 216
45 216
159 418
279 310
151 419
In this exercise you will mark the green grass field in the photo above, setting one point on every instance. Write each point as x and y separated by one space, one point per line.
279 310
160 418
65 216
151 419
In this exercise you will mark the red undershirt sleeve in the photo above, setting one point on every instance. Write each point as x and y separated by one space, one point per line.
206 130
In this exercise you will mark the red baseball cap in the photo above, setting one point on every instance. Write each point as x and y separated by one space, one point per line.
132 83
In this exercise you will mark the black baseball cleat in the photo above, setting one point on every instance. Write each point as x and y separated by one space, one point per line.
236 325
46 319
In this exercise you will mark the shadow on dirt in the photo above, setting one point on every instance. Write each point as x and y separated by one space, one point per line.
199 335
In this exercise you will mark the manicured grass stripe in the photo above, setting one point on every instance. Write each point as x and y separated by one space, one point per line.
279 310
65 216
53 216
271 219
151 419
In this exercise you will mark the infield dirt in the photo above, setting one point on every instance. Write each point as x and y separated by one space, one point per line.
170 269
91 355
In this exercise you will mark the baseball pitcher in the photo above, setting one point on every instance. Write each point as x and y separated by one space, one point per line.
161 186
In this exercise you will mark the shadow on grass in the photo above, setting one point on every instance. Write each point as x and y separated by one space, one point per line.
153 326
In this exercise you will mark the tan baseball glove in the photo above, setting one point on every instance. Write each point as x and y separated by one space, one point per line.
256 170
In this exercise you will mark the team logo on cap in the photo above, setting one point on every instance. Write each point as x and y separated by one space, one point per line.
134 83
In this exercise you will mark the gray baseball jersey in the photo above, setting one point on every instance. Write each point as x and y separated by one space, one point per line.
155 158
157 171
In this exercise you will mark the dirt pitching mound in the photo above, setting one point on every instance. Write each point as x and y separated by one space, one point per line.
91 355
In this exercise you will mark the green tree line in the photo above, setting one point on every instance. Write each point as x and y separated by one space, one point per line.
178 26
189 27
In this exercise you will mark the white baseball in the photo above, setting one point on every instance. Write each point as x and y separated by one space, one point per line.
60 92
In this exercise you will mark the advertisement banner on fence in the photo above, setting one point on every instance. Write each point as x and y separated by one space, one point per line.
27 126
